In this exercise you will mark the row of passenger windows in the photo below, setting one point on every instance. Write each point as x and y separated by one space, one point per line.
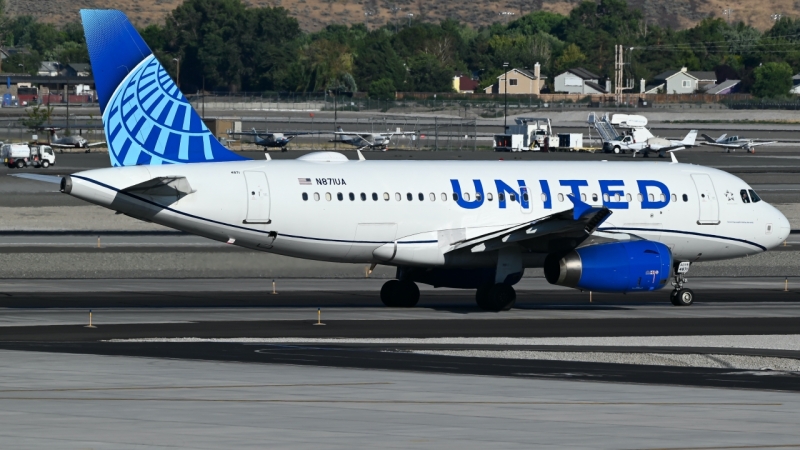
501 197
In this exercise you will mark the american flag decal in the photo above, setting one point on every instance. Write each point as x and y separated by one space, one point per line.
305 181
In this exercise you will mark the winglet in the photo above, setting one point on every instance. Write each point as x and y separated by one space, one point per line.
674 158
360 156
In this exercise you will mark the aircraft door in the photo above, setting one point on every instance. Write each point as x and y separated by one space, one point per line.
258 202
707 196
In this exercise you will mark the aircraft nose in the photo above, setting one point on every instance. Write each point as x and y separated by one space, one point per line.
783 226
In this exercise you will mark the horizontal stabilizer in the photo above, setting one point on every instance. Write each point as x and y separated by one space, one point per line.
37 177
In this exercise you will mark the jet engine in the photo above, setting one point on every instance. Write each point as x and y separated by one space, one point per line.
614 267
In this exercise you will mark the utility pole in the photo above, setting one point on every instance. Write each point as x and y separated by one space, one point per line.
618 73
178 76
505 89
727 13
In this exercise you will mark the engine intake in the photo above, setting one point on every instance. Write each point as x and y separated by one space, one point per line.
614 267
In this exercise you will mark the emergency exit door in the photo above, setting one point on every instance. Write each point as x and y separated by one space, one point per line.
257 197
709 207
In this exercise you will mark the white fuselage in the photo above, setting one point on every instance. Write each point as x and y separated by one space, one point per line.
304 209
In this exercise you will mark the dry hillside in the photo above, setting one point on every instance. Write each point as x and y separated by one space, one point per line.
314 14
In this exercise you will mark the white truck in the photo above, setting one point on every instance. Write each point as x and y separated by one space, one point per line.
528 134
635 133
18 156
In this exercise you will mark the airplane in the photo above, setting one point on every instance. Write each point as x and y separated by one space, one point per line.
272 140
73 141
733 143
661 145
591 225
365 140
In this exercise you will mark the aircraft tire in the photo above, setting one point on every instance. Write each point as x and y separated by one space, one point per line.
673 297
400 294
498 297
684 297
482 296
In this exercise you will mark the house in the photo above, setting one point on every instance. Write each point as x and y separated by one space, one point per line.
519 81
681 82
578 81
464 85
48 69
795 85
77 70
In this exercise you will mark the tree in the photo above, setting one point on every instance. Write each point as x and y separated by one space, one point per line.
382 89
772 80
37 116
571 57
426 74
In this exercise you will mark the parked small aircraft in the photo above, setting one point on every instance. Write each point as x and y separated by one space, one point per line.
733 143
273 140
74 141
367 140
661 145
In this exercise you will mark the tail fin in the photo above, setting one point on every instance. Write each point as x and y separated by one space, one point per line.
146 118
709 138
340 130
690 138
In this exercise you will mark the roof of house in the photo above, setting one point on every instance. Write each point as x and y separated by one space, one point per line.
596 87
80 67
467 84
704 75
724 86
525 72
670 73
49 66
583 73
653 88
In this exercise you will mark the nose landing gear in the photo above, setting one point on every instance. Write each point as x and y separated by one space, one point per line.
681 296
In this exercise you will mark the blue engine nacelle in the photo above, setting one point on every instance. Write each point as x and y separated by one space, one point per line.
615 267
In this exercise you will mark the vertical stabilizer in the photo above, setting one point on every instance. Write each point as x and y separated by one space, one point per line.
146 118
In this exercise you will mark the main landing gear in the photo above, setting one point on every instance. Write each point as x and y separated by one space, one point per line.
400 294
681 296
496 297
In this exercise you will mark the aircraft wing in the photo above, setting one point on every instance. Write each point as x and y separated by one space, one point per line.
95 144
709 139
349 133
756 144
61 145
557 232
250 133
717 144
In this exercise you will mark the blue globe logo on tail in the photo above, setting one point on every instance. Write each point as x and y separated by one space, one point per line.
146 118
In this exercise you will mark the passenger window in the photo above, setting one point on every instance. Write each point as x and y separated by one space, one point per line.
544 197
594 197
409 196
639 197
583 197
501 197
444 197
561 197
628 197
305 196
466 196
455 197
340 196
386 196
397 196
421 196
685 198
316 196
433 197
328 196
375 196
674 198
352 196
489 196
605 197
512 197
477 196
652 197
363 196
754 196
525 196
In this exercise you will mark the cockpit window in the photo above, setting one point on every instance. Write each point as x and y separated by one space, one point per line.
754 196
743 194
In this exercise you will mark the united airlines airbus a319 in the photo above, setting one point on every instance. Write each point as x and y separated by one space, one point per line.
599 226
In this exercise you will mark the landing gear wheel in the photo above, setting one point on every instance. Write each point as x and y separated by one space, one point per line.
496 297
683 297
673 297
400 294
